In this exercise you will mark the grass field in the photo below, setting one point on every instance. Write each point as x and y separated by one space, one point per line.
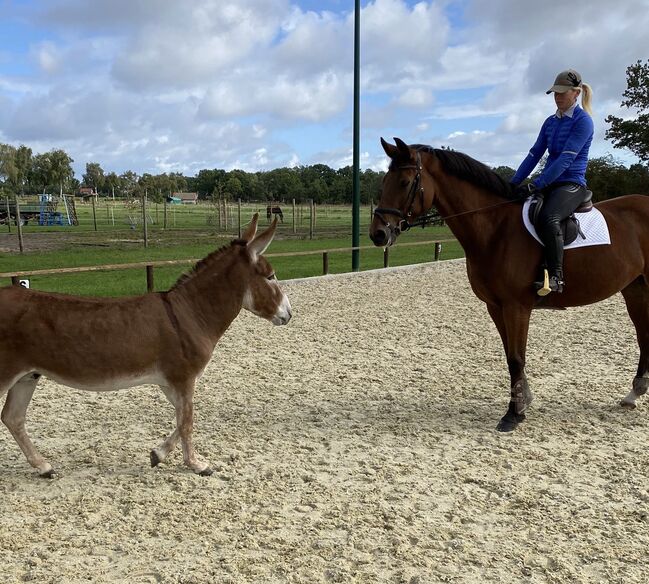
196 234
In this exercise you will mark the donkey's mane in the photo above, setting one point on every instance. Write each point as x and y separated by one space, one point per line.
205 263
464 167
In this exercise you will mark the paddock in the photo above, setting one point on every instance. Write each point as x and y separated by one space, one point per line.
355 445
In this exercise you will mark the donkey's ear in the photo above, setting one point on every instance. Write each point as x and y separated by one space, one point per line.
404 149
260 243
249 233
390 150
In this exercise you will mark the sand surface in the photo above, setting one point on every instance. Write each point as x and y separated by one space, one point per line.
356 444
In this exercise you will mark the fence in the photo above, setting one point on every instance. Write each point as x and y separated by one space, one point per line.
144 216
150 266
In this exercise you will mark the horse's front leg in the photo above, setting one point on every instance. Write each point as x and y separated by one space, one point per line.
512 322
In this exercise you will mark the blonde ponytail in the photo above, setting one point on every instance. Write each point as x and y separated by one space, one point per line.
587 98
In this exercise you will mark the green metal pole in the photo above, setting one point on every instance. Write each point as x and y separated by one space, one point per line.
356 193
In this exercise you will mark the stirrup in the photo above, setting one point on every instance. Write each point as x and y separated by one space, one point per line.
549 284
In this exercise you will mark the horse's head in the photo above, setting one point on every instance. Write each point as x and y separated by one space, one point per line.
264 297
403 196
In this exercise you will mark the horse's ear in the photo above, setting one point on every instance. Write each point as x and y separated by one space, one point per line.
260 243
390 150
249 233
403 148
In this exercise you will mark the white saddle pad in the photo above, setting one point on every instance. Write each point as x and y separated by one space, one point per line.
592 224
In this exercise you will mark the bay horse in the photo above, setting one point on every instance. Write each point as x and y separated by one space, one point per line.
274 210
164 338
503 259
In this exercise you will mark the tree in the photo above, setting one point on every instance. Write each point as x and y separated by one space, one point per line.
128 183
633 134
60 169
23 163
94 176
8 171
111 182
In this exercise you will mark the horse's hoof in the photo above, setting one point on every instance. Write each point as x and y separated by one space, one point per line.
206 472
48 474
155 459
509 424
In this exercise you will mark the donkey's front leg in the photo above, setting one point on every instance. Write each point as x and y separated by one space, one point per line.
13 416
185 426
161 452
514 324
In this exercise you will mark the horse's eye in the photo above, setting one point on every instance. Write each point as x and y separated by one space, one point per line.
405 182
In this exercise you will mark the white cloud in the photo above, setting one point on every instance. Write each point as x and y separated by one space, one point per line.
153 85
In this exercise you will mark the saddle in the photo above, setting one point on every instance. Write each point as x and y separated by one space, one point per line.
570 225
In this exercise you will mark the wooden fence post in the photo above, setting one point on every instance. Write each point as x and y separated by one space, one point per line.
239 212
294 217
15 281
8 215
438 250
94 210
19 225
144 225
149 278
311 219
325 263
386 257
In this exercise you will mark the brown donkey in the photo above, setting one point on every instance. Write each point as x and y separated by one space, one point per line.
164 338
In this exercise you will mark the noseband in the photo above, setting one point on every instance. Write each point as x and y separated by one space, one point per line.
416 189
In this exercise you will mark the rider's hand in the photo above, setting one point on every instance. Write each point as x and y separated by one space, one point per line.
525 191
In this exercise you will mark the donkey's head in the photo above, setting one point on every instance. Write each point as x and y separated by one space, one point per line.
264 297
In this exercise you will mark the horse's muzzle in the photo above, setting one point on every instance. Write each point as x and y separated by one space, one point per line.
380 236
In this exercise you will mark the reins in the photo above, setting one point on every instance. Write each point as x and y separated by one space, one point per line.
429 218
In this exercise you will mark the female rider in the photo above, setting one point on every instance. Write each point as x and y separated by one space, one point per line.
566 136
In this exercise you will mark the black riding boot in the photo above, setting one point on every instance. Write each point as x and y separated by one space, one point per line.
553 241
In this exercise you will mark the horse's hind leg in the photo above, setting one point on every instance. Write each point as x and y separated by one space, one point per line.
13 416
636 296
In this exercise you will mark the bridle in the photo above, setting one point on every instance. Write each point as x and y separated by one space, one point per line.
429 218
415 189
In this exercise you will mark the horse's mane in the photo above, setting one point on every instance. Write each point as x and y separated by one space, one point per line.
205 263
466 168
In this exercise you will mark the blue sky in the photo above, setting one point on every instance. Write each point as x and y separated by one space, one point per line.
158 85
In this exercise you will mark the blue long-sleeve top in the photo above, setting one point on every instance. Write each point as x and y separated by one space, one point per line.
567 139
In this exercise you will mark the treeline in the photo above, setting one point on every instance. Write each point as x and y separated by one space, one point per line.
23 173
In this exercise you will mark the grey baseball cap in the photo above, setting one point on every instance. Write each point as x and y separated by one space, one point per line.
565 81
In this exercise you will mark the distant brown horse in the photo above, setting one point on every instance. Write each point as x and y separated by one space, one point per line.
165 338
503 259
276 211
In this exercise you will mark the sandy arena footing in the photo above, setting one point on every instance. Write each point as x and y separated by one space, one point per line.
356 445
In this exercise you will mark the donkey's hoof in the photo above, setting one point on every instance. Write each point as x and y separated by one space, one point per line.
206 472
509 423
48 474
155 459
628 405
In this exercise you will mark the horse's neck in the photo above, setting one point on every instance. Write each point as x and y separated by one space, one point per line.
212 298
470 219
